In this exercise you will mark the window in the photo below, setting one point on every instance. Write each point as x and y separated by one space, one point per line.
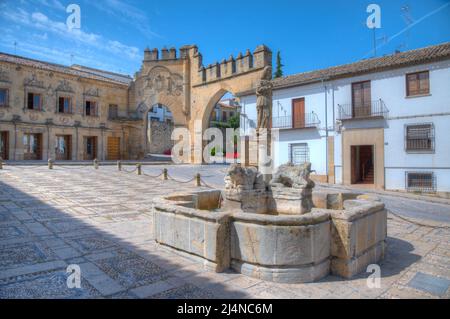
420 181
231 114
298 153
34 101
361 99
64 105
418 83
3 97
90 108
113 111
224 116
420 138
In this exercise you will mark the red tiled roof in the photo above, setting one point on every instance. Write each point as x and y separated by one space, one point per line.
393 61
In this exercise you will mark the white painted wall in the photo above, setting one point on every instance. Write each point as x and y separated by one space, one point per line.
437 162
390 87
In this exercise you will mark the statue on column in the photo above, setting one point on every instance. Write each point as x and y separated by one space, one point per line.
264 99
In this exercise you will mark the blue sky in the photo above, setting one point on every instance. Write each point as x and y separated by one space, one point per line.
309 34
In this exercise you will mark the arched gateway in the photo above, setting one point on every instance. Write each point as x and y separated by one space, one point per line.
189 89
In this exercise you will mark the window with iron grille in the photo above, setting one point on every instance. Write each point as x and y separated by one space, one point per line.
420 181
298 153
419 138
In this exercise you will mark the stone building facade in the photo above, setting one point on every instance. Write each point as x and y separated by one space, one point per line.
51 111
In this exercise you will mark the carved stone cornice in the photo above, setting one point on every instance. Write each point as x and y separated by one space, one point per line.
34 82
64 86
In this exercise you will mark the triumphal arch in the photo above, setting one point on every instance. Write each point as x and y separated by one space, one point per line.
181 82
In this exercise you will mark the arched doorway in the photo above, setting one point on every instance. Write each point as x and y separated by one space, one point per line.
224 116
159 128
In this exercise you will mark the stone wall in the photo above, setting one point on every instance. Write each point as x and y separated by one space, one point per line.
358 236
159 135
280 248
21 76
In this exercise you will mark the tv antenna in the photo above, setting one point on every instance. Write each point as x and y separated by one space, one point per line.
71 58
409 20
15 48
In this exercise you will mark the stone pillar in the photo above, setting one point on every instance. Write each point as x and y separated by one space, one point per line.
264 125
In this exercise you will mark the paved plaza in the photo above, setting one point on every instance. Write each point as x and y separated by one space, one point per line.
101 220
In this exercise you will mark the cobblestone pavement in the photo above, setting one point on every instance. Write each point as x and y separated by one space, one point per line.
101 221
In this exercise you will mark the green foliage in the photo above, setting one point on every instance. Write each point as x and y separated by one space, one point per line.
234 121
279 67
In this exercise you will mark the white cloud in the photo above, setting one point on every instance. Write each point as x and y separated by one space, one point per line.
39 17
128 14
39 21
61 55
55 4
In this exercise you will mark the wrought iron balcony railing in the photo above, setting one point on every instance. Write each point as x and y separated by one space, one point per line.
309 120
362 110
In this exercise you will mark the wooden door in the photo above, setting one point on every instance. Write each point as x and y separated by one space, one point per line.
90 148
32 144
361 99
4 145
298 113
113 148
63 147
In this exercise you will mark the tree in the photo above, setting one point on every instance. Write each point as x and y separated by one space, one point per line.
279 68
234 122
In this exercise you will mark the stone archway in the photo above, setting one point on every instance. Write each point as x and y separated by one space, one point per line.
189 88
159 125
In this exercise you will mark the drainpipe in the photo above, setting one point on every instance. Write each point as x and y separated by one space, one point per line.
334 115
326 128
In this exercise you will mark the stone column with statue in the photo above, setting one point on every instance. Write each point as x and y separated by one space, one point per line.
264 125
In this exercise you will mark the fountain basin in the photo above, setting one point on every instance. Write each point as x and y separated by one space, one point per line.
272 246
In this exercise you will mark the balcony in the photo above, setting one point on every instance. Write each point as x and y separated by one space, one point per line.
374 109
310 120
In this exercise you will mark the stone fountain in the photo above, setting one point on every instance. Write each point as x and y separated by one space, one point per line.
281 231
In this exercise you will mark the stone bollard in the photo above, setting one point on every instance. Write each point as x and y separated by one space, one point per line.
139 169
96 163
197 180
119 165
50 163
165 177
1 163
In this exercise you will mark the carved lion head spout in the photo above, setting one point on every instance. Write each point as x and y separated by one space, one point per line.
241 178
293 176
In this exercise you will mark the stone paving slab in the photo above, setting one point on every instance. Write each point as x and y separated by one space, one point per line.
101 220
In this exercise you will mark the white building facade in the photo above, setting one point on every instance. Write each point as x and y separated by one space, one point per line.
383 122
